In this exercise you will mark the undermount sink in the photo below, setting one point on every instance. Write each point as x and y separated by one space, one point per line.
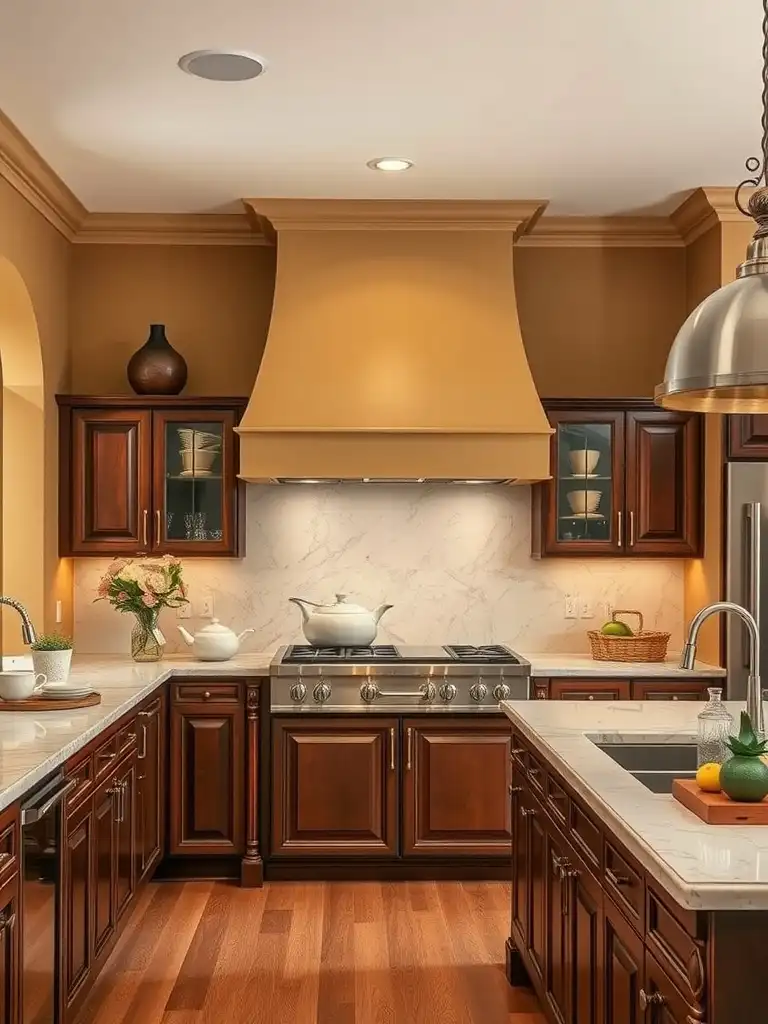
654 764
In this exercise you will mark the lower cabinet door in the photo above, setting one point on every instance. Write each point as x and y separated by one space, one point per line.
538 871
584 922
557 963
10 952
77 898
455 787
150 789
334 786
659 998
125 836
520 868
623 957
207 771
104 838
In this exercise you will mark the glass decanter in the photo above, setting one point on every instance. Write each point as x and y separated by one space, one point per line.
714 728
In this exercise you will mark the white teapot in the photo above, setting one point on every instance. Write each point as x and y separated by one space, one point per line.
341 624
214 642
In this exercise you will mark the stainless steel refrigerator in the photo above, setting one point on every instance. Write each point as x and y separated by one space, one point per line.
746 567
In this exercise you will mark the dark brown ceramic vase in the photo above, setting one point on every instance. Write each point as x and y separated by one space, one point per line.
157 368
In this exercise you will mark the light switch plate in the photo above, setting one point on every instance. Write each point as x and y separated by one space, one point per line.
571 606
184 611
206 608
587 611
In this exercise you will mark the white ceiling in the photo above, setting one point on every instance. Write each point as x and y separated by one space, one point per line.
604 106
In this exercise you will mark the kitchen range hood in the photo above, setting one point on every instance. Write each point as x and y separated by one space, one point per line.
394 350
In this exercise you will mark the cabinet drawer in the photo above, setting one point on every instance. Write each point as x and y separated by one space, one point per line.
206 692
105 756
536 774
83 774
126 738
589 689
585 834
656 689
673 945
557 801
9 846
625 886
675 1006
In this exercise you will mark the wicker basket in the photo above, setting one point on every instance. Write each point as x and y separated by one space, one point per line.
643 646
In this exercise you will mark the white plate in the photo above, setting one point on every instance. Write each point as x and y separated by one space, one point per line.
64 692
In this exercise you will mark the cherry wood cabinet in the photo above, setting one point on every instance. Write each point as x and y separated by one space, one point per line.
129 486
652 689
150 786
623 960
207 768
334 786
748 437
455 786
105 803
589 689
10 952
77 899
559 688
125 835
627 480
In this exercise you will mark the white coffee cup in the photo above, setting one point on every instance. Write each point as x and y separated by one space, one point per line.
20 685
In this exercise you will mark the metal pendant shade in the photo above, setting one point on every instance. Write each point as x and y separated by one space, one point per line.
719 360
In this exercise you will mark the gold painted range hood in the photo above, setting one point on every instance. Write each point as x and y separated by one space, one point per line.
394 350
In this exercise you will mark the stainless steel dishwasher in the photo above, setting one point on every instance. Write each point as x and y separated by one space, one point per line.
41 832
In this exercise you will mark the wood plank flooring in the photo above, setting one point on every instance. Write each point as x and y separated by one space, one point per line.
313 953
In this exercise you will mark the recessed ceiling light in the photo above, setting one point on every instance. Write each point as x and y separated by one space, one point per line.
222 65
390 163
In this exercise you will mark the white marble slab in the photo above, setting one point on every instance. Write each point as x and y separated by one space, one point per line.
701 866
583 666
32 744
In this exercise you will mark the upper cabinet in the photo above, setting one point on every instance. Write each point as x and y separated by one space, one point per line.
626 481
150 476
748 437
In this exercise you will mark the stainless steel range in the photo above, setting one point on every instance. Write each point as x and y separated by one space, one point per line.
401 678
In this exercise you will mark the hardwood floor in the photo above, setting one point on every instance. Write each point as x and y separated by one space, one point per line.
313 953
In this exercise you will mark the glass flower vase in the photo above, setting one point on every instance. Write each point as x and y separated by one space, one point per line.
145 645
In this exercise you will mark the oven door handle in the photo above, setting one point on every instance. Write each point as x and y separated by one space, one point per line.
32 814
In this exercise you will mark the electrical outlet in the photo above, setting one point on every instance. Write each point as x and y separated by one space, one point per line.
587 611
206 608
571 606
59 613
184 611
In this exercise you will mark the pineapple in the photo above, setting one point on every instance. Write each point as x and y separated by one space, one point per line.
744 776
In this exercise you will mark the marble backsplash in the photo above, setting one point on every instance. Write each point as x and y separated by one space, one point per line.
453 560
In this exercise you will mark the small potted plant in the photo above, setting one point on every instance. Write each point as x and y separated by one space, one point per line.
52 655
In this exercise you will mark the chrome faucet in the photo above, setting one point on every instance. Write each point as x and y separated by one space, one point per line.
754 692
28 634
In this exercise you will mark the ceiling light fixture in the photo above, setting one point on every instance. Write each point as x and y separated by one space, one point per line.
719 360
222 65
390 163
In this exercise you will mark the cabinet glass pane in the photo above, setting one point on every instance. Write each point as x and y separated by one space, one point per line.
194 484
584 481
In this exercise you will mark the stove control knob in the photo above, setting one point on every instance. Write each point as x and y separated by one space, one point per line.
478 692
447 692
298 692
321 693
428 691
369 692
501 691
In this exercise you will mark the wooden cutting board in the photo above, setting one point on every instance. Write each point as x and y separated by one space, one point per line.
717 808
38 704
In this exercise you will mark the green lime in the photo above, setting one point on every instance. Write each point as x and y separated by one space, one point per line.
616 629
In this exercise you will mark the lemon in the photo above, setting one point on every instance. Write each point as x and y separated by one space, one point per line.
708 777
616 629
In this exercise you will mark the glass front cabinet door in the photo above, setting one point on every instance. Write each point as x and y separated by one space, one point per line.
583 504
194 482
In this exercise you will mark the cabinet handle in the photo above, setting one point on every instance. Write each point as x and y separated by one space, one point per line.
107 757
650 999
143 752
515 789
619 531
409 748
527 811
207 695
7 922
158 536
516 750
146 532
571 874
392 749
631 529
615 879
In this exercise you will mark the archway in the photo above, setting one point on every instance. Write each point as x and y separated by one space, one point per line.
22 422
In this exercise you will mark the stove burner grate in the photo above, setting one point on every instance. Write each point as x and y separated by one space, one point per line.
483 653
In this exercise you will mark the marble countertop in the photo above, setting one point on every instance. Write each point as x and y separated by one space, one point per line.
582 666
703 867
32 744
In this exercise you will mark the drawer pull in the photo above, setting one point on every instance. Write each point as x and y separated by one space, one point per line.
526 811
107 757
409 748
516 751
650 999
391 750
591 696
615 879
515 789
207 695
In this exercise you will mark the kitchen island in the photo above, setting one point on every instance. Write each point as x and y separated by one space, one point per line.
624 902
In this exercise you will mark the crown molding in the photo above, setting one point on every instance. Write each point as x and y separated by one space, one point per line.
23 168
604 232
168 229
274 215
704 208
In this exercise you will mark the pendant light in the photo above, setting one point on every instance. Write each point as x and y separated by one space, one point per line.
719 359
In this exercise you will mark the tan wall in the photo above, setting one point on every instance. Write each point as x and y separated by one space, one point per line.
599 321
41 255
214 300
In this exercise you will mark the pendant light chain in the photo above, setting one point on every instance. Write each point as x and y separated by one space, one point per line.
756 167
